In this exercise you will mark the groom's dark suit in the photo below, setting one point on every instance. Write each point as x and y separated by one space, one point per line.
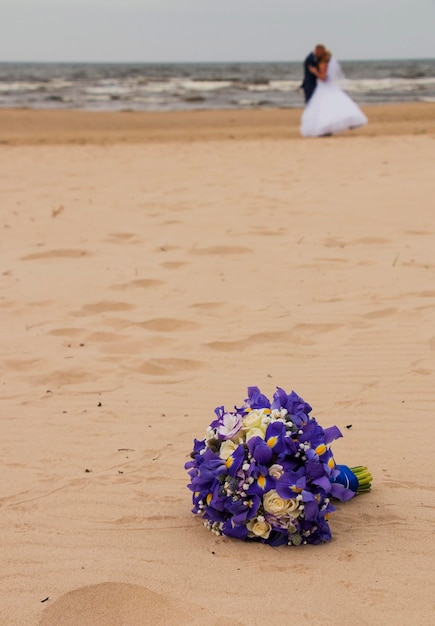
310 81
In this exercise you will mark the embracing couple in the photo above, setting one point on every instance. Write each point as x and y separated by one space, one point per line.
328 109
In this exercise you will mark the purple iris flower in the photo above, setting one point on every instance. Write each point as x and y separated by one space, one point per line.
341 493
293 403
312 432
330 508
291 447
291 483
211 466
274 438
256 469
289 463
311 511
274 443
276 539
256 400
331 433
262 483
238 531
244 509
219 497
235 460
314 469
219 411
324 483
198 445
259 449
212 515
323 532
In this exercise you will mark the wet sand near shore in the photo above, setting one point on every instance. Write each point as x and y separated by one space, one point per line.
28 126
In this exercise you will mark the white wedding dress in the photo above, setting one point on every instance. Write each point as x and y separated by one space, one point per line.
330 110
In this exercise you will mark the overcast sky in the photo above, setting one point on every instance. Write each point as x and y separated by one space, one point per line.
219 30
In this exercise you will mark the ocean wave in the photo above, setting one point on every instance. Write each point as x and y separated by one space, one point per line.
107 90
213 85
18 86
388 84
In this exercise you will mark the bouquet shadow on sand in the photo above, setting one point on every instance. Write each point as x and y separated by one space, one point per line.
265 472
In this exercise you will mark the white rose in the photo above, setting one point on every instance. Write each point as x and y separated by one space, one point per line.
252 420
227 448
276 470
257 418
274 504
254 432
259 528
294 509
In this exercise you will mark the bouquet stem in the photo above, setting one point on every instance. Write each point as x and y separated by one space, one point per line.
358 479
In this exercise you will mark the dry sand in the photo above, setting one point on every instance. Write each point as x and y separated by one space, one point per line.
152 273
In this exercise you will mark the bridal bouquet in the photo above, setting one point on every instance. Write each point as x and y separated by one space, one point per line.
266 472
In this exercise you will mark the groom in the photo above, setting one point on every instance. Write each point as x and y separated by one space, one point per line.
310 81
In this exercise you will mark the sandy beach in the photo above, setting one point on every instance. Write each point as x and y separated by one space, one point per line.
29 126
153 267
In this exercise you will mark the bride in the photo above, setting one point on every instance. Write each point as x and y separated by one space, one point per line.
329 110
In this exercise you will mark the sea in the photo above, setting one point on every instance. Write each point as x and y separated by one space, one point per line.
193 86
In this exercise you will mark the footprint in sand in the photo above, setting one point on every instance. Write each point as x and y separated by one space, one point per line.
117 323
421 371
139 283
418 232
118 604
301 334
170 366
123 238
171 222
59 254
21 365
208 307
221 250
104 306
168 324
103 337
70 376
173 265
66 332
266 232
336 242
129 346
166 248
417 294
381 313
252 341
370 240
